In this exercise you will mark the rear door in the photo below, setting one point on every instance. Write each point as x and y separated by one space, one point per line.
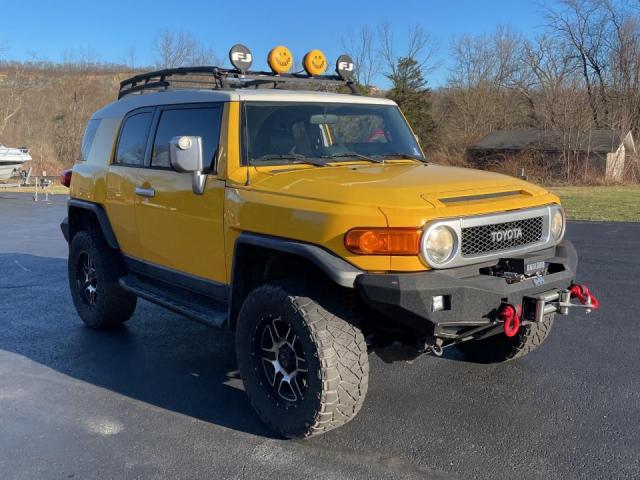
122 177
180 232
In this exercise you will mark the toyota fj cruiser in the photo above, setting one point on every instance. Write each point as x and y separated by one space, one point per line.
311 224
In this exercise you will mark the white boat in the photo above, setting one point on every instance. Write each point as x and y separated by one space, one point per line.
11 159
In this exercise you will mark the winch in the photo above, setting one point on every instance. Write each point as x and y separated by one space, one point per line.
515 270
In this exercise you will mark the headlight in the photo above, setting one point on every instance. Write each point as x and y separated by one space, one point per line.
557 224
439 244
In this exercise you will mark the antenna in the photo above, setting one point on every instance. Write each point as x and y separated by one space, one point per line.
248 180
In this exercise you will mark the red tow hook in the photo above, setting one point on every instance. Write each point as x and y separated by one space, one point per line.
510 315
582 293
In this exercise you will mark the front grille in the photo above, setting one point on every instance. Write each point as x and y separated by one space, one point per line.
496 237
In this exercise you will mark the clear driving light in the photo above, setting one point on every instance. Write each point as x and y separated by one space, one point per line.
557 224
439 244
184 143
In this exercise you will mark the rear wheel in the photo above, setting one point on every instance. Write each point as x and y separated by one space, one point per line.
94 270
500 348
304 368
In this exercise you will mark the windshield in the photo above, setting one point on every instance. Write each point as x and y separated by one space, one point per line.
282 133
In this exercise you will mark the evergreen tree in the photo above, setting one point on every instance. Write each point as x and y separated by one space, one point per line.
409 90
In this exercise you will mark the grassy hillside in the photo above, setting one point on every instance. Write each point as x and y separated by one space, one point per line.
46 109
620 204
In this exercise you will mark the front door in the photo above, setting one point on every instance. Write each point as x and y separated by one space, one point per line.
180 232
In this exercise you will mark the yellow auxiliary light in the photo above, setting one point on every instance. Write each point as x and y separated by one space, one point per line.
315 63
280 59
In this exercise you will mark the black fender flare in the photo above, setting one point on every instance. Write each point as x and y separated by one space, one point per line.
100 214
336 268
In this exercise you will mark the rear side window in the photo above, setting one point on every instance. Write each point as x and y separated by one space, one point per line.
133 139
202 122
87 139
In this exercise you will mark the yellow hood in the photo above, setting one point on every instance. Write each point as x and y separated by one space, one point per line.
396 185
320 204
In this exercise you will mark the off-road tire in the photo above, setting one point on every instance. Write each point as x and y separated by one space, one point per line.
113 305
500 348
336 356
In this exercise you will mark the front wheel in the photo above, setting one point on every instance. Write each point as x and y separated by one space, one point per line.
304 369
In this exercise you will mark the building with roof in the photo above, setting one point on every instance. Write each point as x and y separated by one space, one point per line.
607 151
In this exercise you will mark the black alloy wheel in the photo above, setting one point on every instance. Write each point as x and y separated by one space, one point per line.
279 360
86 279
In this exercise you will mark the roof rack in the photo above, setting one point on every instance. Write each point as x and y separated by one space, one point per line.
218 78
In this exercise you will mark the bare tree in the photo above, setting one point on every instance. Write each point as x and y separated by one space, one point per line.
551 71
420 46
582 24
488 60
129 58
179 49
623 42
174 49
12 98
364 51
204 56
83 58
488 82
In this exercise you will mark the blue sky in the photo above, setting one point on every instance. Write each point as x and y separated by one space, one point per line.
110 28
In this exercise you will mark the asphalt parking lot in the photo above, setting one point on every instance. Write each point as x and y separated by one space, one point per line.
160 398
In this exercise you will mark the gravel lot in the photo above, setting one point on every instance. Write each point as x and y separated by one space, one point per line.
160 398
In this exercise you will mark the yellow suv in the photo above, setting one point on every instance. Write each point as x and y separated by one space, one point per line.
312 225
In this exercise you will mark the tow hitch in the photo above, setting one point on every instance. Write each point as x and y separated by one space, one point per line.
513 317
560 301
536 308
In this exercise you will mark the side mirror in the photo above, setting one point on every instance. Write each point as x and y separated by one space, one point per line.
185 156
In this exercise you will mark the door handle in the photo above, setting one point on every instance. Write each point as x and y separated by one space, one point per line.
145 192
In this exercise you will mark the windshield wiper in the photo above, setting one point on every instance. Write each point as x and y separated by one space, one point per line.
353 155
292 158
405 155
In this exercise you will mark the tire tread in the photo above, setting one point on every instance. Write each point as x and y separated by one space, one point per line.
342 355
500 348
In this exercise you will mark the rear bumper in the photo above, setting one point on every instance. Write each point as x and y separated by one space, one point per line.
471 299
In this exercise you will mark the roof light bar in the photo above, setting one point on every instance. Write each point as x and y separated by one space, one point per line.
280 60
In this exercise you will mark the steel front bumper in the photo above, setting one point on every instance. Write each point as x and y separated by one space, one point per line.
470 299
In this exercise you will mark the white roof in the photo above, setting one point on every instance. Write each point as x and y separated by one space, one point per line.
121 107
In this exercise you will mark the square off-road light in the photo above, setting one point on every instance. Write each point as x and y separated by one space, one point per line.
437 303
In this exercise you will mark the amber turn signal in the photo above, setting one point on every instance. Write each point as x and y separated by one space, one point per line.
383 241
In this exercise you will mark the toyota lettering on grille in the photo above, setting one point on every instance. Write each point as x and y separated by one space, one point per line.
508 234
